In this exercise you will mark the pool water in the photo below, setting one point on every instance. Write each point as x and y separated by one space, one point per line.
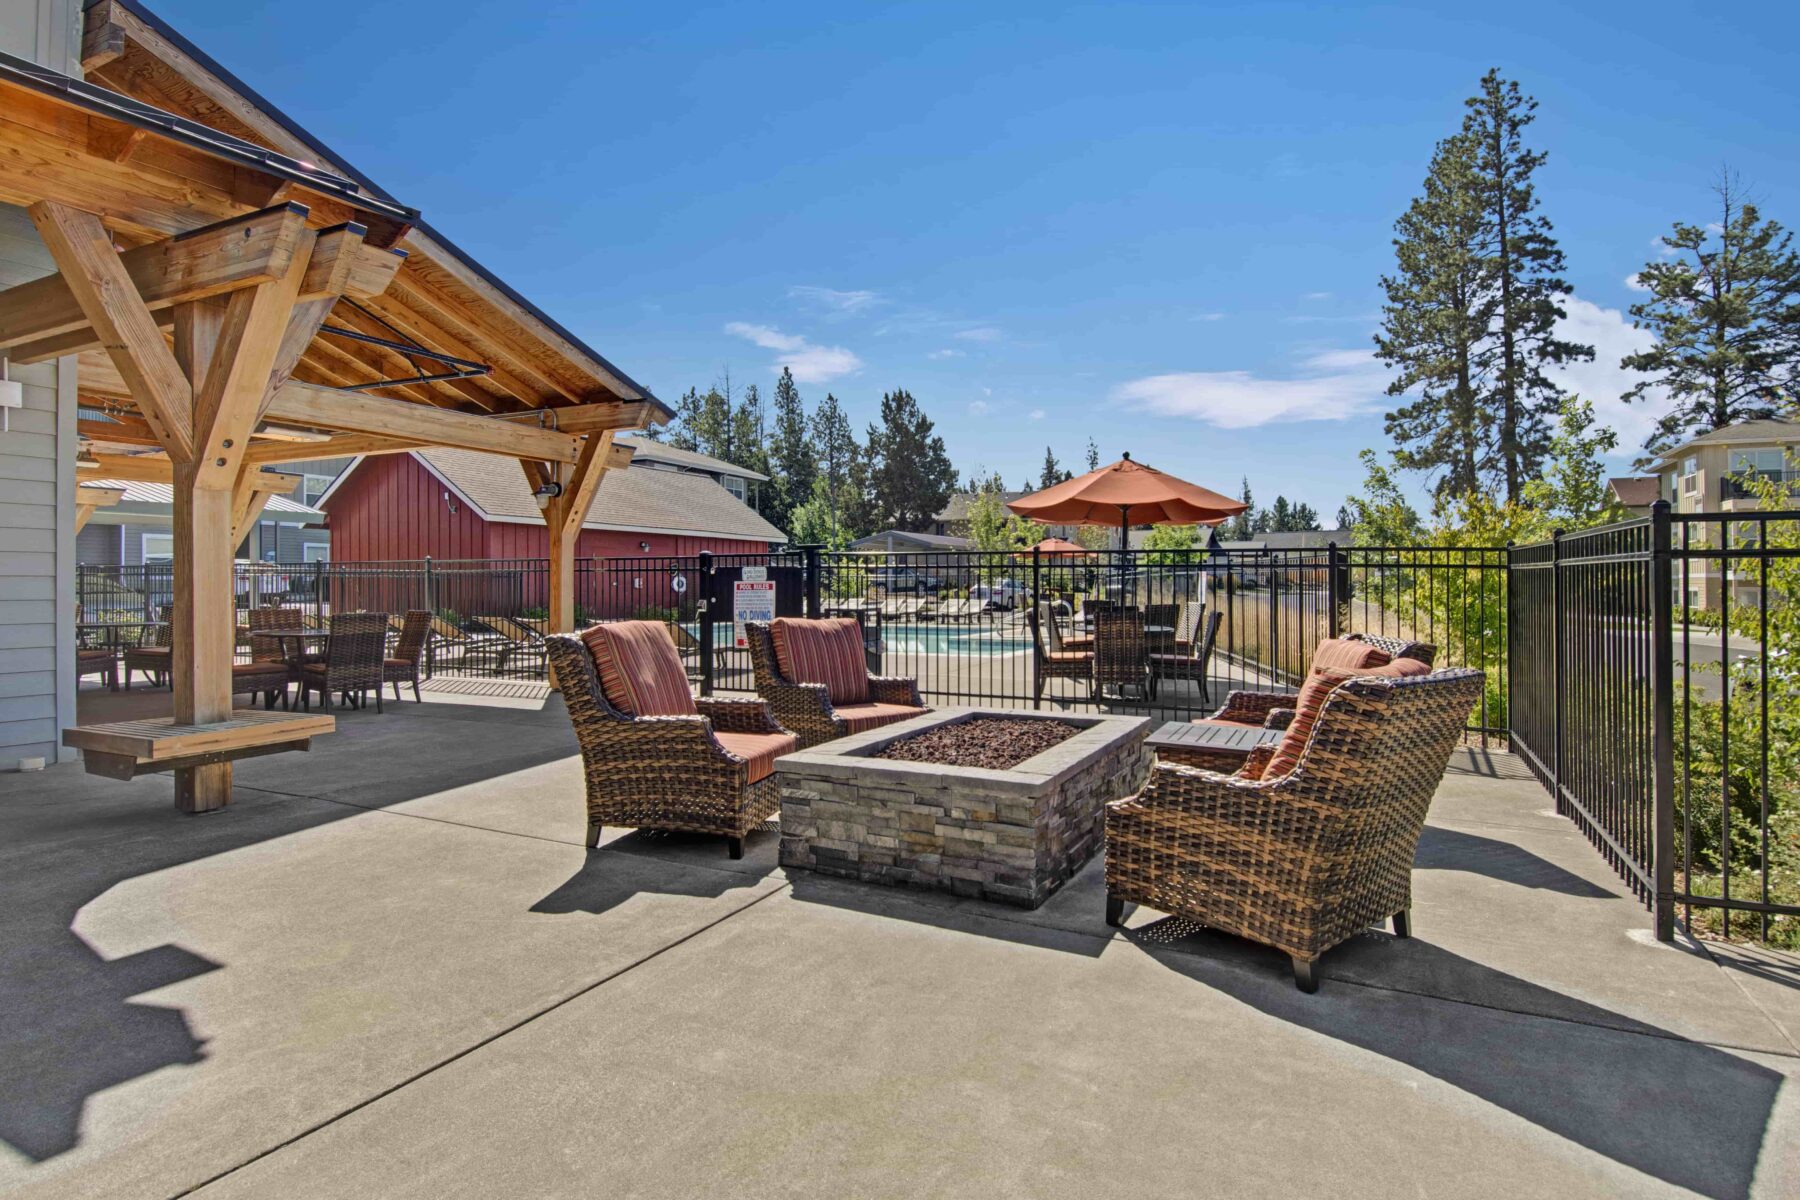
928 639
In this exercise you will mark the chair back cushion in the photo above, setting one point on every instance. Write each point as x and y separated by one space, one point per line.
1341 654
828 652
640 672
1312 699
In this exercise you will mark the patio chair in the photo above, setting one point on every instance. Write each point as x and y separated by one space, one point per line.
1054 660
446 639
1321 846
353 660
153 660
101 662
686 644
1121 653
517 640
267 679
817 682
1353 651
402 666
654 755
1193 653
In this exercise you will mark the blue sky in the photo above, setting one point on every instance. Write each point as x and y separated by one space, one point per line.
1161 225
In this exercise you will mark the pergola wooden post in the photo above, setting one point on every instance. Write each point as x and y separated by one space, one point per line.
233 348
564 514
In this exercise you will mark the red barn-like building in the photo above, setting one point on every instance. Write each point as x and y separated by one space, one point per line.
457 504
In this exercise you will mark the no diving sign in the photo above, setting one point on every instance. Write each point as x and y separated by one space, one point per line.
751 600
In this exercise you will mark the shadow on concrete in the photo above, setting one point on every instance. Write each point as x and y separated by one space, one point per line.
1675 1109
1442 849
68 1027
943 911
601 884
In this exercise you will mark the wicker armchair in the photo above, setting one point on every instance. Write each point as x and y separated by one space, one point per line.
1121 653
402 666
1273 710
807 708
153 659
352 666
1304 861
711 772
1053 658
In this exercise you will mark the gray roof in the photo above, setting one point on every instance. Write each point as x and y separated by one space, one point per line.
651 450
936 541
1636 491
634 500
958 507
1301 539
1775 429
154 497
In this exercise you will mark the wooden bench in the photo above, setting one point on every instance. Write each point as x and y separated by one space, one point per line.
127 749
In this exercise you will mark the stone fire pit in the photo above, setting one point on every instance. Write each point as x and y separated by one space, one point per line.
1014 836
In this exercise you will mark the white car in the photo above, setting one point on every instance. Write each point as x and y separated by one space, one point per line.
1001 593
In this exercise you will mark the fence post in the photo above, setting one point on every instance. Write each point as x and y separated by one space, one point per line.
704 569
812 581
1039 612
1557 706
1333 564
1662 714
1269 581
429 603
319 592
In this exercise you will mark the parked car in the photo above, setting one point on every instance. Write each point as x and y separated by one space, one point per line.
1001 593
904 580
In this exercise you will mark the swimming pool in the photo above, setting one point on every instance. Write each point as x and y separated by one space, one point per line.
944 639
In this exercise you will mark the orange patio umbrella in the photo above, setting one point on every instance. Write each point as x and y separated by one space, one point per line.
1059 546
1126 494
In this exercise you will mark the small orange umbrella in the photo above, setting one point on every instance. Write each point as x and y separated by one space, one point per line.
1126 494
1059 546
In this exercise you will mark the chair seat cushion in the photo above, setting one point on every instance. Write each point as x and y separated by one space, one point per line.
94 656
860 717
159 651
404 664
761 749
639 670
1068 656
828 651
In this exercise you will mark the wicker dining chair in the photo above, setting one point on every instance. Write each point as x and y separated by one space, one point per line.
1121 653
1052 658
654 755
1162 616
815 679
353 661
98 661
153 659
1193 654
402 666
1305 858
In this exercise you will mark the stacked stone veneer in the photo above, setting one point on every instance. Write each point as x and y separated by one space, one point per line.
1013 836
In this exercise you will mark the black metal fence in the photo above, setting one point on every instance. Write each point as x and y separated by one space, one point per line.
1655 690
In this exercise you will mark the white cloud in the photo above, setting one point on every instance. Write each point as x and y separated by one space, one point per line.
1317 296
983 333
980 408
987 391
833 300
1603 381
1037 414
1209 316
1635 284
808 362
1330 386
945 354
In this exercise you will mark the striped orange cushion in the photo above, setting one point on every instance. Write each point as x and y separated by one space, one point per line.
1306 715
639 670
1341 654
828 652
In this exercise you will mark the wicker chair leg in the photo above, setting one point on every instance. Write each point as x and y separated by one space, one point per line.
1115 911
1403 923
1306 975
378 698
735 846
417 699
593 834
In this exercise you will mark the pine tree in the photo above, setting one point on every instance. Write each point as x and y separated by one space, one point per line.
1093 456
837 457
1433 324
1345 518
1052 473
910 470
1525 277
684 430
793 455
748 428
1726 315
1240 527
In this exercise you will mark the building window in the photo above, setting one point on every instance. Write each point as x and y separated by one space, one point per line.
159 547
734 485
313 552
1690 471
314 487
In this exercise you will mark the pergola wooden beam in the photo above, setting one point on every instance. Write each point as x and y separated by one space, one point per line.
89 500
97 277
219 258
349 445
355 412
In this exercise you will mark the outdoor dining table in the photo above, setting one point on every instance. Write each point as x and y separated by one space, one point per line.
113 631
293 642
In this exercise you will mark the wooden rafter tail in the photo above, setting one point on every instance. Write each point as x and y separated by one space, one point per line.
89 500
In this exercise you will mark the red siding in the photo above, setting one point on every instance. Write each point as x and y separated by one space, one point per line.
392 508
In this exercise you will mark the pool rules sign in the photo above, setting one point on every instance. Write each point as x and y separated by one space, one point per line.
751 600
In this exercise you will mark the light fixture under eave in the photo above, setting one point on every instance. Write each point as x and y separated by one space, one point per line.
287 433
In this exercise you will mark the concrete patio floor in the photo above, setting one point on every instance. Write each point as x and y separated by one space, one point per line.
391 969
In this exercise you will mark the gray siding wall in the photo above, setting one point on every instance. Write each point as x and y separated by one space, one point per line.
98 545
37 534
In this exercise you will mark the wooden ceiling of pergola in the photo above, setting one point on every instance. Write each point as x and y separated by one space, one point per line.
439 300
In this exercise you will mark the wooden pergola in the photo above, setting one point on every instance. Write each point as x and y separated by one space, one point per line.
230 309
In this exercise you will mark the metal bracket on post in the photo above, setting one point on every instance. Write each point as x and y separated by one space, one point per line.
1662 716
703 567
